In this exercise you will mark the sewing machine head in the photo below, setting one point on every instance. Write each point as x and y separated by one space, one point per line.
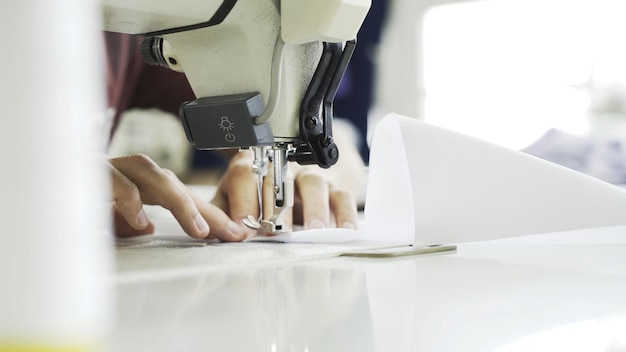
265 73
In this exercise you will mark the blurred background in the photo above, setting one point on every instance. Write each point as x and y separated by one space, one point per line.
547 77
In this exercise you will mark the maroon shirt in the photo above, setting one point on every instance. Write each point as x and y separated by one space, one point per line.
131 83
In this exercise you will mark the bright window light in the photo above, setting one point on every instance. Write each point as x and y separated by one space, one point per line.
508 70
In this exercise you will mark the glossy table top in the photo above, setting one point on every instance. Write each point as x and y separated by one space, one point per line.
564 291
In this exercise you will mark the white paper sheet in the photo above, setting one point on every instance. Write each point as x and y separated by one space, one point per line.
464 189
428 185
331 235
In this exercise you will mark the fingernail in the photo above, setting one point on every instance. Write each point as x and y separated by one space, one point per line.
142 219
237 229
201 224
348 225
316 223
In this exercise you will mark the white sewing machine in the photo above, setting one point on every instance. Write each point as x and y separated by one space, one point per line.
265 73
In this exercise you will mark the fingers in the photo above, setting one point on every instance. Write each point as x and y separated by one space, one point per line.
313 190
222 227
237 192
124 229
137 180
343 206
155 186
127 202
239 187
319 200
318 203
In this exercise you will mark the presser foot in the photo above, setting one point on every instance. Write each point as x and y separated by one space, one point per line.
283 190
263 226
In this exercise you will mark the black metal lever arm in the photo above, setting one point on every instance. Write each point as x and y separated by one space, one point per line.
316 112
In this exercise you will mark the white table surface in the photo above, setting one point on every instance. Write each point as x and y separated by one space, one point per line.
556 292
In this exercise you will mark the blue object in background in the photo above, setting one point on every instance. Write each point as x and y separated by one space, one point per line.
355 93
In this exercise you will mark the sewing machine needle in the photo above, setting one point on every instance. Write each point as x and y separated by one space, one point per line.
260 196
259 167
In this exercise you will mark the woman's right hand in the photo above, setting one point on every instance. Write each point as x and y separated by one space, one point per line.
137 180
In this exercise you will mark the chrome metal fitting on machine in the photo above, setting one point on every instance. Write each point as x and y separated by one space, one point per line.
283 189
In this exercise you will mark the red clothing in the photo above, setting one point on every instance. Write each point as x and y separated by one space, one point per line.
131 83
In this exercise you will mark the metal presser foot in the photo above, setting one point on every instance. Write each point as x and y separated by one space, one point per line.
283 189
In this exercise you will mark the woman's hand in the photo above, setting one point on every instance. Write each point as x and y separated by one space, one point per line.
137 180
323 198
